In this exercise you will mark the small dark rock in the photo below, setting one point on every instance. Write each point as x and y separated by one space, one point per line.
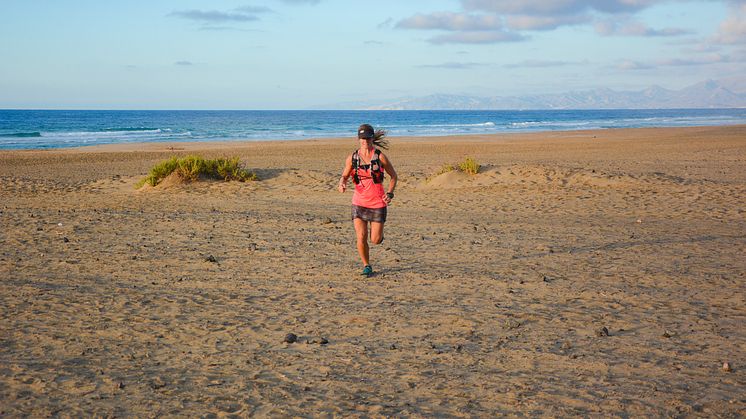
291 338
120 385
511 324
602 332
546 279
667 334
66 240
393 347
157 383
211 259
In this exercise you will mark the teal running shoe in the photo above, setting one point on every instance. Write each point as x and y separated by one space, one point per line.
367 271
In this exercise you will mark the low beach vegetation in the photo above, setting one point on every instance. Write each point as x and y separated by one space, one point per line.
468 166
193 168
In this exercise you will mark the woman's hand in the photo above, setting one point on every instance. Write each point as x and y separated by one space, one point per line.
342 186
387 197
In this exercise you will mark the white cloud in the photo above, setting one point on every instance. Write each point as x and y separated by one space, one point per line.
542 64
453 65
386 23
491 21
702 60
477 37
628 27
733 29
634 65
214 16
527 22
452 22
463 28
557 7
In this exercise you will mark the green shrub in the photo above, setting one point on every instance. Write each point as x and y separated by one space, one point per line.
445 169
192 168
469 166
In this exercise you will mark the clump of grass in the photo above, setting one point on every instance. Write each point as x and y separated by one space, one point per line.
469 166
445 169
192 168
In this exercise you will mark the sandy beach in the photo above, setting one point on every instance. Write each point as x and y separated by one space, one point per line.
589 273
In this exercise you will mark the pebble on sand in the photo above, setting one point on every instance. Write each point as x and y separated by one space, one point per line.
511 324
317 340
727 367
602 332
290 338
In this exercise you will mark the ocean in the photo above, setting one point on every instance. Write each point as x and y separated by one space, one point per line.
47 129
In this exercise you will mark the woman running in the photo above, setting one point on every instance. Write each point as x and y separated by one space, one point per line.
366 166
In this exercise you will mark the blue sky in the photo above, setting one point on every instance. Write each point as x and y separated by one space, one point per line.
294 54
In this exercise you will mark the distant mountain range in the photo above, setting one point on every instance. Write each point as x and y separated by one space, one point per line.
707 94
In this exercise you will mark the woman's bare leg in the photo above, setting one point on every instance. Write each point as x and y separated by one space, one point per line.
376 232
361 231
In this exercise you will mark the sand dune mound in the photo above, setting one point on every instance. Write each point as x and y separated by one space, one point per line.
176 181
531 175
295 180
448 180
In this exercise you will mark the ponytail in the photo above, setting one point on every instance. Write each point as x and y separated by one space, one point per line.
379 139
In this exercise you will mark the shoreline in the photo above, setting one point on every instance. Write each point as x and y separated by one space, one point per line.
237 144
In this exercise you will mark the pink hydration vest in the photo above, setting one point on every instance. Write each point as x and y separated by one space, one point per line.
368 180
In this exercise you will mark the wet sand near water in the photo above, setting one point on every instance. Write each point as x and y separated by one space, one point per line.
579 273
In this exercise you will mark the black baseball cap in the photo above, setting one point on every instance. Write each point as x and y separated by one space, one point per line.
365 131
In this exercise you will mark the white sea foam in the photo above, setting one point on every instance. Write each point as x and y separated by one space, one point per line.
18 129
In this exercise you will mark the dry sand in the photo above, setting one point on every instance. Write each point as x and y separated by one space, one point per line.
491 295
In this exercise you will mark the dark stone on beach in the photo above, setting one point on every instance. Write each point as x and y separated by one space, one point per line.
120 385
211 259
393 347
66 240
546 279
157 383
290 338
667 334
602 332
